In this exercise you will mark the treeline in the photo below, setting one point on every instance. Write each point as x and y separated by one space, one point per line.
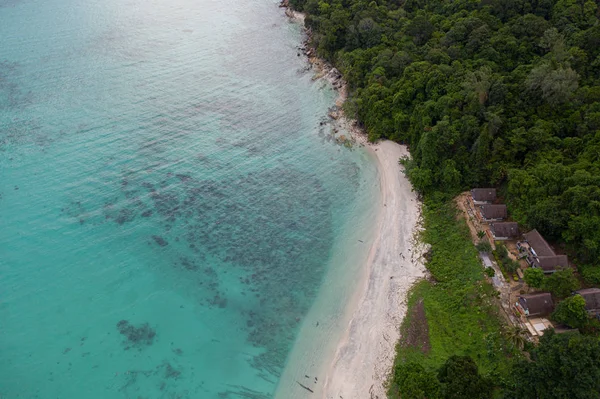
561 367
485 92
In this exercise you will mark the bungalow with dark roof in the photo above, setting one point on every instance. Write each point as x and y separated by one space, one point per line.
504 230
539 254
492 213
539 304
483 195
592 300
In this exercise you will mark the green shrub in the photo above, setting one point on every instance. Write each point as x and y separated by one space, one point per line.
490 272
571 312
591 274
461 379
484 246
561 283
534 277
503 259
414 382
592 327
502 251
461 311
511 265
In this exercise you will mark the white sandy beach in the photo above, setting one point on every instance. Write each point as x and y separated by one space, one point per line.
353 352
365 355
350 346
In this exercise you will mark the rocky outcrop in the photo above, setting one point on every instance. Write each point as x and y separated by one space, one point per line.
335 77
323 69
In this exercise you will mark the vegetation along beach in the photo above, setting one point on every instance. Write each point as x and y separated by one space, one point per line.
337 199
497 97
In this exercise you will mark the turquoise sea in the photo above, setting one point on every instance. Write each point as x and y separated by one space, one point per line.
170 203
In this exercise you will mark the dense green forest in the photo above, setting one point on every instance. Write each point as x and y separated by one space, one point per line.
484 92
561 367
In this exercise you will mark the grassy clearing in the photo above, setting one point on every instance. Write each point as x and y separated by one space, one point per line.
460 305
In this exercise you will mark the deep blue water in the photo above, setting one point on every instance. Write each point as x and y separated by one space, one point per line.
169 200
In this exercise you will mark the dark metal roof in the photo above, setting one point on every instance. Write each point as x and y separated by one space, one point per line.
592 298
546 258
552 262
494 211
537 304
505 229
539 245
484 194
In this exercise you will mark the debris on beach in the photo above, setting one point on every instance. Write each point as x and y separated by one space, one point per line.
305 387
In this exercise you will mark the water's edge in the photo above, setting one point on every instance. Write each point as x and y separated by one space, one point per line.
355 359
172 200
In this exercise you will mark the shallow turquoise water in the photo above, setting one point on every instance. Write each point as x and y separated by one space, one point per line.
168 199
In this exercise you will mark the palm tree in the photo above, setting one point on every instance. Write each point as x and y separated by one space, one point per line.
516 335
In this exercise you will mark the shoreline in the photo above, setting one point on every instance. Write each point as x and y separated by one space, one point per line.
363 357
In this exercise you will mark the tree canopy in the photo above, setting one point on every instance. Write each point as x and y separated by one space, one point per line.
457 378
460 379
501 93
414 382
572 312
561 283
485 92
563 366
534 277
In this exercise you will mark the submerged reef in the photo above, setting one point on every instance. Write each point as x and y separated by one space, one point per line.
164 377
137 337
268 230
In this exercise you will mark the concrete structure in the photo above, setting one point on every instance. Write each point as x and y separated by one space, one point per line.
537 325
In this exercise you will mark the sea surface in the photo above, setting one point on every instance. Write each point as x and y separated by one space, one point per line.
171 200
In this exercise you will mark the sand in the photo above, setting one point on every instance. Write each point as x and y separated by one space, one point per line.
346 346
365 355
358 362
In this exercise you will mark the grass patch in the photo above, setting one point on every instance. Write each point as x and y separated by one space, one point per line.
460 305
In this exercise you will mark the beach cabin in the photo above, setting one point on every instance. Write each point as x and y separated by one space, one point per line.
540 254
592 300
483 195
492 213
504 230
539 304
